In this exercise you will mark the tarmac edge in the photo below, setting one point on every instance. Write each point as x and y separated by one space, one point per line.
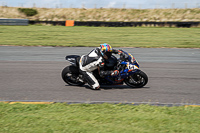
99 102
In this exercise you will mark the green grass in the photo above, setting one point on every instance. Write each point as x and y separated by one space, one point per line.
116 118
93 36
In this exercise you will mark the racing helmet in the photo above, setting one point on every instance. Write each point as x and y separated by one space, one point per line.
105 50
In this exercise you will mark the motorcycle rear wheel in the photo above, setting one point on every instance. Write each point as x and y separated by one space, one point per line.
70 75
137 80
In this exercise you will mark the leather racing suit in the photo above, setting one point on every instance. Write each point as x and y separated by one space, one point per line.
90 62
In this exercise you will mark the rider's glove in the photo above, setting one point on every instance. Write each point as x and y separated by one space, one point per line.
115 73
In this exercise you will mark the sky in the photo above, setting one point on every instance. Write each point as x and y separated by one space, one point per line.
138 4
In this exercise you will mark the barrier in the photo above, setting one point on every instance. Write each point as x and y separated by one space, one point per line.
7 21
117 24
62 23
136 24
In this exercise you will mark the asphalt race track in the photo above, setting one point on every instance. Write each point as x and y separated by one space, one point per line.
34 74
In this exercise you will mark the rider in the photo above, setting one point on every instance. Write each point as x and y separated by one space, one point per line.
96 60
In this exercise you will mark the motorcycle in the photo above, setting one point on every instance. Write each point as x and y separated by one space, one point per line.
127 65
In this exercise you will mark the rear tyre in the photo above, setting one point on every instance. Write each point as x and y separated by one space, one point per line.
70 75
137 80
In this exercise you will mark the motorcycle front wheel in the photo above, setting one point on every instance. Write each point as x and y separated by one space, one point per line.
137 80
70 75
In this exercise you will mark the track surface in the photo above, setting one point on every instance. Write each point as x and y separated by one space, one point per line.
34 74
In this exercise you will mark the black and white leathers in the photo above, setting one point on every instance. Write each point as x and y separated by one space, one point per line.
89 63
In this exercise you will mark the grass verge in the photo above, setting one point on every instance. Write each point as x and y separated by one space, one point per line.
120 118
93 36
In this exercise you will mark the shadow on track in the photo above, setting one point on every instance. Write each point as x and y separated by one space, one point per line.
109 87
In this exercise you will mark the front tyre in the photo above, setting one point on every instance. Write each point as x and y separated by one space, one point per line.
137 80
70 75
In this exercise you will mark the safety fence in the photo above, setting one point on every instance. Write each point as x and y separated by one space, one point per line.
117 24
99 23
6 21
